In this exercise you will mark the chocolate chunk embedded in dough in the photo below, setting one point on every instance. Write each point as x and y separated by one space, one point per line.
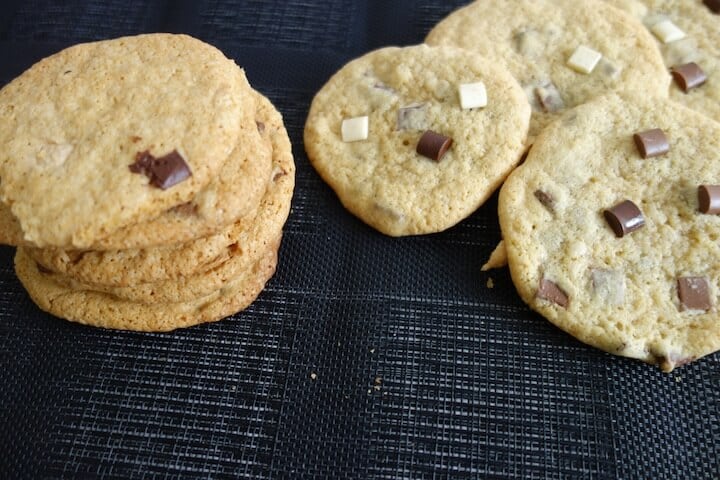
433 145
651 143
688 76
694 293
624 218
550 291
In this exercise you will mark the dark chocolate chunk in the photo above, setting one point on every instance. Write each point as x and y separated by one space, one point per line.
433 145
624 218
651 143
694 293
550 291
688 76
709 199
163 172
546 200
713 5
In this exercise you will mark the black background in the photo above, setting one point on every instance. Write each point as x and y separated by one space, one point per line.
472 383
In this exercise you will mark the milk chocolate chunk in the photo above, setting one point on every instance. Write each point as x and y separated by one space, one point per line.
694 293
624 218
163 172
433 145
713 5
651 143
709 199
688 76
551 292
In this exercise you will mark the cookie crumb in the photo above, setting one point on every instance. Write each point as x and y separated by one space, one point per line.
490 283
313 376
678 379
372 350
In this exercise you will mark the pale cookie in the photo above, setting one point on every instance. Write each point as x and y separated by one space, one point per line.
611 246
75 122
413 99
102 310
250 240
536 40
699 45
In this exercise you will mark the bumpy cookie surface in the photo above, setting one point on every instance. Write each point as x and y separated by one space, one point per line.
404 92
74 122
643 295
535 39
700 45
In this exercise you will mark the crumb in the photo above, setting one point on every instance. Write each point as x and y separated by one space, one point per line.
369 391
490 283
377 388
372 350
313 376
678 379
378 380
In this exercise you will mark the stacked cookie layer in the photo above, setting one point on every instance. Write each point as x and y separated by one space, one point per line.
145 182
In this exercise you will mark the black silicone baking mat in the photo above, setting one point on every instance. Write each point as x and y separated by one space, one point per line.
421 371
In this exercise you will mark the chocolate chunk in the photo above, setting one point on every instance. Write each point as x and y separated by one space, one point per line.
709 199
688 76
624 218
546 200
651 143
433 145
411 117
163 172
713 5
694 293
549 98
550 291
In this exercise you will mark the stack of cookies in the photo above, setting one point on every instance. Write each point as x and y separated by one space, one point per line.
610 226
144 181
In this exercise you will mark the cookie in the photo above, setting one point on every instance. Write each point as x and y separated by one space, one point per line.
609 234
233 293
249 241
103 310
697 43
563 52
107 134
410 100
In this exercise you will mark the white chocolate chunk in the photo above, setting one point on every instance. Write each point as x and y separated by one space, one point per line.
354 129
584 59
472 95
666 31
412 117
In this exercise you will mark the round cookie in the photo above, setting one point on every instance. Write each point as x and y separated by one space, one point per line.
535 39
701 45
250 240
74 122
405 92
102 310
641 295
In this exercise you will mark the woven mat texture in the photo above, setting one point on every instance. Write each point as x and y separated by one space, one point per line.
422 371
